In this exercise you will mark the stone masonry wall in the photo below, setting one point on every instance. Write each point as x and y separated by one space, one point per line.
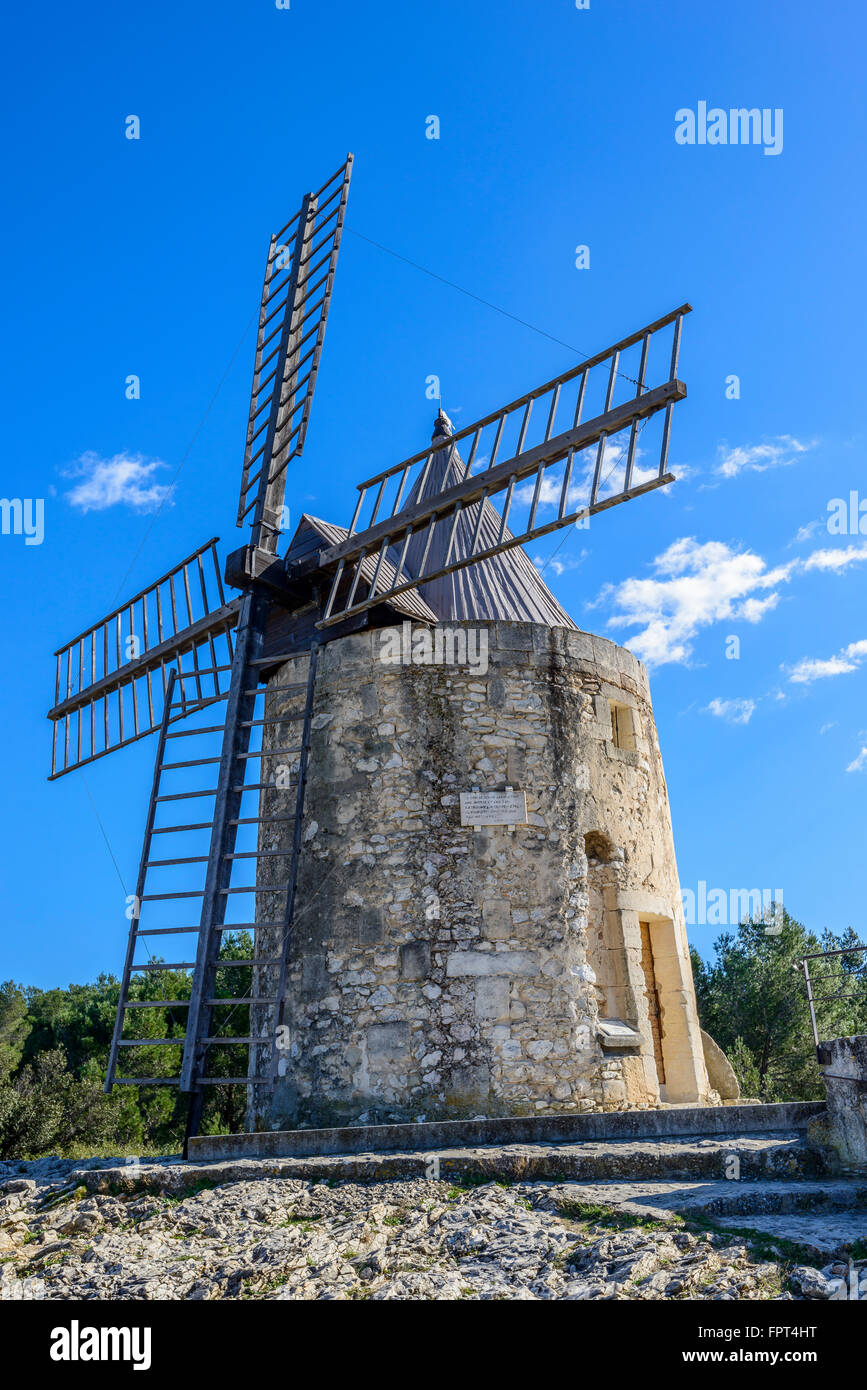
442 971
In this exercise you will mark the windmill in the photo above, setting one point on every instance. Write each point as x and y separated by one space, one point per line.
182 661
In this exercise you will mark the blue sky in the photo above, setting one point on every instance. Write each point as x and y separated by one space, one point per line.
557 129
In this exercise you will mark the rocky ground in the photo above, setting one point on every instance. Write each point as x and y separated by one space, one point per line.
285 1238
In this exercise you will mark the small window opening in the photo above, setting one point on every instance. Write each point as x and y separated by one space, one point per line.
598 846
622 728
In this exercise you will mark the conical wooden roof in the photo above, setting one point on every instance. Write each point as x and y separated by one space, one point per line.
312 532
507 586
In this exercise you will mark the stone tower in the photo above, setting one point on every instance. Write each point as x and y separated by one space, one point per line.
441 969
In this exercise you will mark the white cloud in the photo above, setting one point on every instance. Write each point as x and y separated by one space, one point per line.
611 476
733 711
549 492
859 764
695 585
825 727
583 466
836 560
816 668
812 669
754 609
698 584
756 458
805 532
124 480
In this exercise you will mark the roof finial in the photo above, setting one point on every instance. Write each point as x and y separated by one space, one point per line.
443 427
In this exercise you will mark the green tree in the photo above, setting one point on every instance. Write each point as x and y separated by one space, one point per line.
752 999
47 1109
54 1047
14 1028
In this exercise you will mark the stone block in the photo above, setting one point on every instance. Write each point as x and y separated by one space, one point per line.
614 1034
580 646
843 1062
313 974
496 692
387 1042
497 918
516 766
370 926
604 653
492 997
478 963
471 1083
646 904
514 637
415 960
370 700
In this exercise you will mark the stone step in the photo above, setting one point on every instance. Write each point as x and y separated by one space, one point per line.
726 1199
823 1234
826 1218
432 1136
752 1157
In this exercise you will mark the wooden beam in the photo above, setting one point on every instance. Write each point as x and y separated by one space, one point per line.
221 620
581 370
236 739
505 544
497 479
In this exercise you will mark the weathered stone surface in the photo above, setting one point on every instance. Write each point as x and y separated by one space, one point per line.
720 1072
844 1071
402 912
388 1040
169 1230
415 960
492 997
491 963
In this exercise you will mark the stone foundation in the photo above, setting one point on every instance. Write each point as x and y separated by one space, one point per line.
844 1071
442 971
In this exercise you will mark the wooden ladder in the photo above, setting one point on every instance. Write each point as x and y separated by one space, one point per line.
251 734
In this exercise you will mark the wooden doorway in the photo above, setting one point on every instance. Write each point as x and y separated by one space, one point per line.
651 994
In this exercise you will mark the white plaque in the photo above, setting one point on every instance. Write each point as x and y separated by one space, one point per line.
494 808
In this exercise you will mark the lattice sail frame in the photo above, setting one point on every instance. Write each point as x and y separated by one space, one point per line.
292 319
111 680
126 655
526 464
